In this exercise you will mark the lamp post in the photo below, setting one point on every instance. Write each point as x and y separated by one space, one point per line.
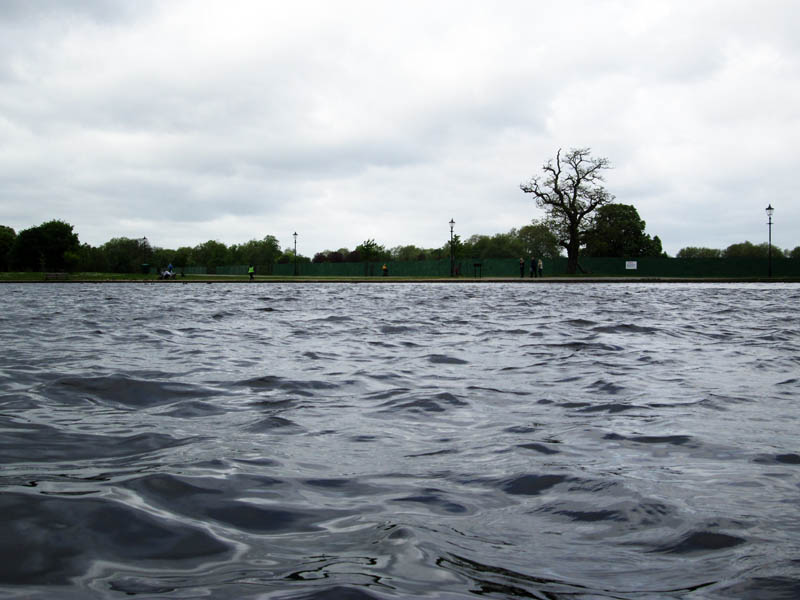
295 252
452 222
770 210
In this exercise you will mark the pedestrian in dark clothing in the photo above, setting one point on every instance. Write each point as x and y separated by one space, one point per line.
522 267
533 267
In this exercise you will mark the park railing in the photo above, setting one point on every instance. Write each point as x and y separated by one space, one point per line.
509 267
687 267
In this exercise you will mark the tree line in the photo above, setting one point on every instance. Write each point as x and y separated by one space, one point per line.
530 240
55 246
580 215
617 231
581 218
740 250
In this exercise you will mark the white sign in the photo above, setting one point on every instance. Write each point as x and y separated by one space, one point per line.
630 265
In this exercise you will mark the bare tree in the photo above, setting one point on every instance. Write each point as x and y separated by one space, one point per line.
570 190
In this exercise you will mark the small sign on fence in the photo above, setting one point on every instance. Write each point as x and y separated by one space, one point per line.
630 265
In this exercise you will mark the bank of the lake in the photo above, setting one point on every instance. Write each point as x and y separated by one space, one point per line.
135 278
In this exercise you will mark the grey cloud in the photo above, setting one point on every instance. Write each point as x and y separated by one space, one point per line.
384 121
102 11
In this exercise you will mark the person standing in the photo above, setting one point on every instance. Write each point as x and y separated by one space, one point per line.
533 266
521 267
251 271
541 268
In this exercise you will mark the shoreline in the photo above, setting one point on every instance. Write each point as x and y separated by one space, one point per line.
401 280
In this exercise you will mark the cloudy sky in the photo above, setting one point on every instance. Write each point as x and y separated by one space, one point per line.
348 120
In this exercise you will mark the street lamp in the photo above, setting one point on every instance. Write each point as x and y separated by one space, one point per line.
770 210
452 222
295 252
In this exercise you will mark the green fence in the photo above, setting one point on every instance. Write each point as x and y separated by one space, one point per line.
494 267
687 267
509 267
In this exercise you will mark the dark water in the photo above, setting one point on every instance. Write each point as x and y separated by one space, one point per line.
385 441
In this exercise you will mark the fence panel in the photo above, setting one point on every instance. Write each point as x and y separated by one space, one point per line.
509 267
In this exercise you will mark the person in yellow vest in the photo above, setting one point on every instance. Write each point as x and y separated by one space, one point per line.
385 270
251 271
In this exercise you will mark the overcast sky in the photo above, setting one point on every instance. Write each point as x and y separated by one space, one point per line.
343 121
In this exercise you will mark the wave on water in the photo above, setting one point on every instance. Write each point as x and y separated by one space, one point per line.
419 440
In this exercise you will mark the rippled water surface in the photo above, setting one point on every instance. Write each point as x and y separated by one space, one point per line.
393 441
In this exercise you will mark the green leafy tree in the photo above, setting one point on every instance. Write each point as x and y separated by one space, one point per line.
537 240
618 231
455 247
437 253
370 250
288 257
506 245
210 254
92 260
334 256
183 257
699 252
477 246
256 252
161 257
7 238
657 249
795 253
367 250
127 255
570 190
44 247
407 253
499 245
750 250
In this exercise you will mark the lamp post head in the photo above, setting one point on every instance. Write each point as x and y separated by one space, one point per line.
294 235
452 223
770 210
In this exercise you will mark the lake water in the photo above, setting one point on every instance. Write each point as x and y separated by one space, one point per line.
400 440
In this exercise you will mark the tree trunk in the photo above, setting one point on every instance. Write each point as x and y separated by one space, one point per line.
573 249
572 260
